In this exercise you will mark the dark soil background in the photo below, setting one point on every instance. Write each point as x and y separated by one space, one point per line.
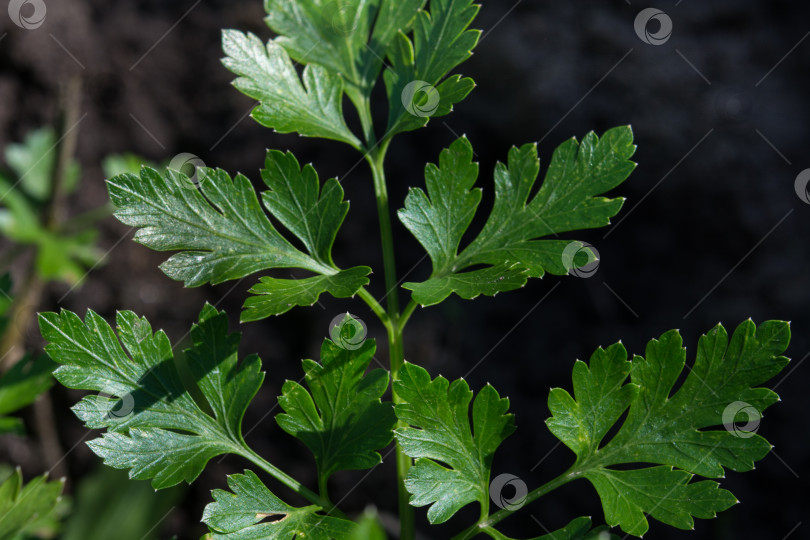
712 230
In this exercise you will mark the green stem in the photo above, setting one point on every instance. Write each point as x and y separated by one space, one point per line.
494 533
323 488
375 306
396 354
376 159
288 480
364 111
406 314
485 525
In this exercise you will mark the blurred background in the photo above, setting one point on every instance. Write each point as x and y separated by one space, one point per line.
713 229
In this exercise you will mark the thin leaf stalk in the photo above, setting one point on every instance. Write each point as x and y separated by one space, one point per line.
288 481
396 354
485 525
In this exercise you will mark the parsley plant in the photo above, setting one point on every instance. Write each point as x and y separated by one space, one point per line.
445 433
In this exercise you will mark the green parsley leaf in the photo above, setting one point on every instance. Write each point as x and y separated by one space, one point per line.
351 39
415 83
341 418
221 229
331 33
601 398
568 200
223 233
266 73
629 497
21 506
439 431
314 215
669 429
468 285
277 296
296 199
241 515
392 18
439 218
154 427
335 34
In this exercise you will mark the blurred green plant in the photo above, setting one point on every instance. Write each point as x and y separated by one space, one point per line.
107 504
32 192
25 508
26 511
39 174
64 252
26 380
20 386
